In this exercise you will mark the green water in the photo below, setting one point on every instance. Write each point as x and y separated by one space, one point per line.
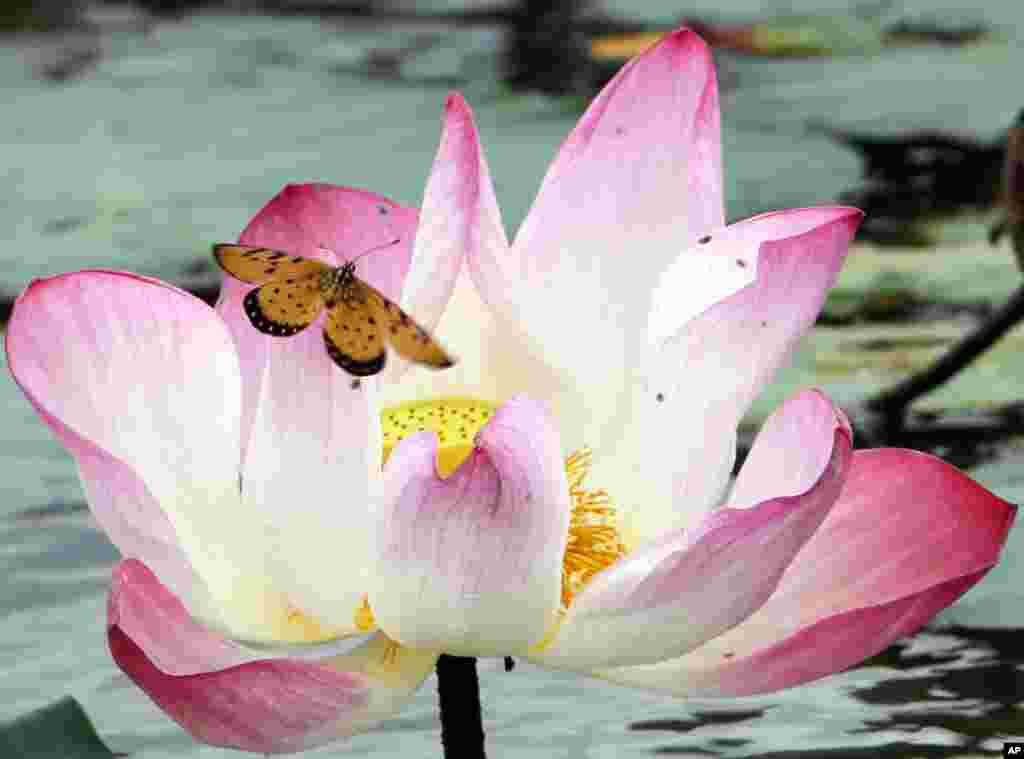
175 142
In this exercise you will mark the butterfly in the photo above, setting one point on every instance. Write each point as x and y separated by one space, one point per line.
360 321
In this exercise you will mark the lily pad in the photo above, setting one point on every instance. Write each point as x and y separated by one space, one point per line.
816 35
968 275
853 363
60 730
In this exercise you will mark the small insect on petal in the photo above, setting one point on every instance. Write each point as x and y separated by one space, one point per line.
293 291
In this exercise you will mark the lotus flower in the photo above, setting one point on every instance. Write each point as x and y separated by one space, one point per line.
281 589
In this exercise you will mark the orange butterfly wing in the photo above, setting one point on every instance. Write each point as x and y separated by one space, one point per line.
285 308
260 265
290 298
354 338
356 331
408 338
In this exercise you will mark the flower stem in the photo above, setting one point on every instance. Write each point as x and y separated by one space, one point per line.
458 690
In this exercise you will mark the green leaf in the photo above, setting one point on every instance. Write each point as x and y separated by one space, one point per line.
60 730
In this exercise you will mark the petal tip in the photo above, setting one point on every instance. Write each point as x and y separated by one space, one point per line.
127 572
686 38
687 45
122 575
458 124
840 419
851 215
455 103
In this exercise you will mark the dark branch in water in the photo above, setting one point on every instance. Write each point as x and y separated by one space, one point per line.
883 417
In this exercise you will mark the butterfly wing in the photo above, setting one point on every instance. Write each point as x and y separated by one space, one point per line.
408 338
354 338
260 265
284 307
290 298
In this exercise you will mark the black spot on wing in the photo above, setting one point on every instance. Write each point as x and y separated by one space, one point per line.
353 366
264 324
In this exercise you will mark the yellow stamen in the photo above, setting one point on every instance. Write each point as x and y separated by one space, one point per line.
364 617
594 541
300 627
455 421
391 654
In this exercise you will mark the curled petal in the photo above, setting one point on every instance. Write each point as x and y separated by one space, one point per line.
786 455
691 586
141 382
471 564
227 695
746 337
908 535
703 274
126 510
273 707
689 393
142 608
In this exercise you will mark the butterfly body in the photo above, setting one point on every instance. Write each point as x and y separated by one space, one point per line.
339 286
360 321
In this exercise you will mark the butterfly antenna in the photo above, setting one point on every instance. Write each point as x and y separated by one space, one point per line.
375 248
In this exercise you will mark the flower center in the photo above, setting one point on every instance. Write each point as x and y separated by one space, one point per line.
455 421
594 538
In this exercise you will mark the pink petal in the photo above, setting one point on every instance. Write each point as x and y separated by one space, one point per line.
336 224
783 458
142 608
313 441
476 204
460 216
312 461
693 389
735 346
637 180
445 230
472 563
691 586
329 223
908 535
227 695
140 381
127 511
226 700
272 707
